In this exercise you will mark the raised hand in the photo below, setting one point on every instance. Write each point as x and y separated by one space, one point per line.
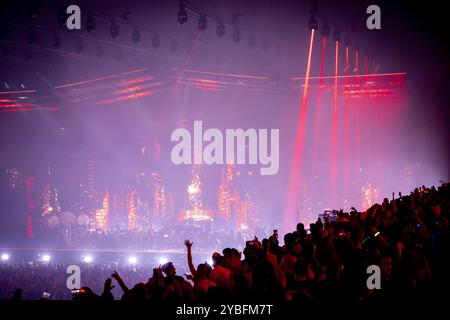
116 275
188 244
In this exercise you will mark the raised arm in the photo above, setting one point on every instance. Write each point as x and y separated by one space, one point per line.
188 245
121 283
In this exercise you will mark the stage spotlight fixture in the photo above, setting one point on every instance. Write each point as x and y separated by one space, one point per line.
90 23
220 29
337 35
347 40
132 260
136 36
87 259
155 40
202 24
237 35
5 257
325 30
182 15
162 260
313 24
46 258
114 30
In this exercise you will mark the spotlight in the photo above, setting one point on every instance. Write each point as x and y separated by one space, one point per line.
210 262
87 259
237 35
202 24
155 40
136 36
182 15
132 260
313 24
90 23
114 30
46 258
347 41
337 35
325 30
5 257
220 29
162 260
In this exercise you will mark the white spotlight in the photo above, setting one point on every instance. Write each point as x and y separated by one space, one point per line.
5 257
46 258
210 262
163 260
87 258
132 260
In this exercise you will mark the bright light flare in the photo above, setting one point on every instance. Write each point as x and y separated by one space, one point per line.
132 260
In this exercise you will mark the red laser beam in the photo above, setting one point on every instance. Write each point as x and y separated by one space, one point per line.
333 163
296 164
318 113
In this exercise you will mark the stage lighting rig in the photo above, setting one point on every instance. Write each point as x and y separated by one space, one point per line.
347 41
337 35
114 30
90 23
325 30
221 29
202 23
136 36
313 24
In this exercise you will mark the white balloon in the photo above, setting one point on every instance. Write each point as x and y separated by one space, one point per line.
68 219
53 222
83 219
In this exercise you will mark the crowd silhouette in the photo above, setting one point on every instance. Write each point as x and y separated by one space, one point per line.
408 237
